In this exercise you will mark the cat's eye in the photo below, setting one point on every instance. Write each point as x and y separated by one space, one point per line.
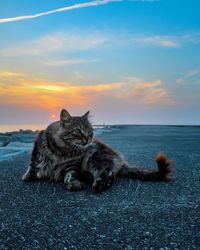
90 133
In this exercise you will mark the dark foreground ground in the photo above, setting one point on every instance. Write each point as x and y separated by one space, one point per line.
132 215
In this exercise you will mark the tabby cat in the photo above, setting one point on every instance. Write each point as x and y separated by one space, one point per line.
66 151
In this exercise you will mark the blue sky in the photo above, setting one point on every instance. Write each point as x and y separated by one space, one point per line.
126 61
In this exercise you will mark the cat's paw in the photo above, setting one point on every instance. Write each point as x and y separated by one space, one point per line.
74 185
98 186
101 184
109 181
28 176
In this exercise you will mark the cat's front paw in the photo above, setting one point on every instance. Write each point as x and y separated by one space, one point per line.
98 186
74 185
29 176
101 184
110 180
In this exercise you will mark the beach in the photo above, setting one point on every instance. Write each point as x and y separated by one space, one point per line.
132 215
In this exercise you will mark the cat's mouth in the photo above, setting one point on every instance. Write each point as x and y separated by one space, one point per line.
84 143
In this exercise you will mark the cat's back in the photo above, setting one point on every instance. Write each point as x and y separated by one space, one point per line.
102 148
43 135
99 151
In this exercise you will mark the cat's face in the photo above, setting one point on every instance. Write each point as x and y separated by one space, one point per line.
75 130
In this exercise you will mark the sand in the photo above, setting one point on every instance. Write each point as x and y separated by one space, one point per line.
132 215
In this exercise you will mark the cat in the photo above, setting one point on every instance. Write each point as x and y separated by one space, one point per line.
67 151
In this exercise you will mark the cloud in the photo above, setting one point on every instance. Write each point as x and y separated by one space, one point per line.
70 62
188 75
42 93
90 39
29 99
57 42
27 91
192 37
80 41
10 74
192 72
145 93
78 75
156 40
67 8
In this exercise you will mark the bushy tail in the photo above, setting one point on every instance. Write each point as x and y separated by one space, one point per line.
160 174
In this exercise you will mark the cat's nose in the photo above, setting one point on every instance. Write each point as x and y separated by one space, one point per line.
87 140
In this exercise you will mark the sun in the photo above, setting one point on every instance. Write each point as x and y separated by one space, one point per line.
53 116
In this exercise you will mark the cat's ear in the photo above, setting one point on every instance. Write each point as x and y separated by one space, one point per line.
86 115
64 115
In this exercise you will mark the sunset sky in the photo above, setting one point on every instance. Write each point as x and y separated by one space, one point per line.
128 62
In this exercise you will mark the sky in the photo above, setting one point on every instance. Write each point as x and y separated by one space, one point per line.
128 62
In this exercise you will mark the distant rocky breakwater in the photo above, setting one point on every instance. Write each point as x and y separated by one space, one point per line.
25 136
15 143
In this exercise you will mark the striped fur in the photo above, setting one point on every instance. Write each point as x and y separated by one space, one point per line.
58 151
105 164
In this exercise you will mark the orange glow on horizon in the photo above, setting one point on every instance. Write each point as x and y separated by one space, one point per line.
19 89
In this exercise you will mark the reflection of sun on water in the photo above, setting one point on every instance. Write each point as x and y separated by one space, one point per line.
53 116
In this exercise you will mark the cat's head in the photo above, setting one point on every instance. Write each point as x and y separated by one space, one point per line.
75 130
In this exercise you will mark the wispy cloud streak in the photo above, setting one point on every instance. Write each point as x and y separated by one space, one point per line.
67 8
156 40
192 73
70 62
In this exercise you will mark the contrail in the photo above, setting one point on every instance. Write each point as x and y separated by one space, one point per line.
72 7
